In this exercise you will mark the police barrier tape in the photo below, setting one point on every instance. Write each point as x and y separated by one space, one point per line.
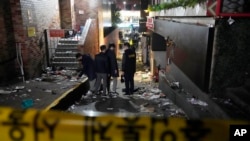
35 125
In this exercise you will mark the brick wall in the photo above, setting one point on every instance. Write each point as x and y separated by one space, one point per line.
90 9
113 37
65 13
39 15
7 39
25 14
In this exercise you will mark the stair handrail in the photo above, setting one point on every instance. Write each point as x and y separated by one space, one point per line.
85 31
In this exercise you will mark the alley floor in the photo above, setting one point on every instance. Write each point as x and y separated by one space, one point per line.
147 100
60 90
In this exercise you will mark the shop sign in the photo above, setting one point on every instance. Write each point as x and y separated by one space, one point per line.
150 23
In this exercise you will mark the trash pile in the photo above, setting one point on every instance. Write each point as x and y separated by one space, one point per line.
30 94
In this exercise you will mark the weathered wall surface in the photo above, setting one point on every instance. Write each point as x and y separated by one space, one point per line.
22 23
7 44
85 9
39 15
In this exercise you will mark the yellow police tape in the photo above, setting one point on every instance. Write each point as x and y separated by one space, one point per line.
35 125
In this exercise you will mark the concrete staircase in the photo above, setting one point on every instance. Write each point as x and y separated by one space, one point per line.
65 54
66 49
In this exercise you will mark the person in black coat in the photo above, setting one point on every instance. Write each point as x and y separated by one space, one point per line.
128 68
113 67
101 66
88 68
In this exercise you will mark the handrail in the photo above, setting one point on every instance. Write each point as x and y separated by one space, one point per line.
85 32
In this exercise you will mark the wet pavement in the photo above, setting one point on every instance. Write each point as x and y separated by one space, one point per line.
147 100
61 91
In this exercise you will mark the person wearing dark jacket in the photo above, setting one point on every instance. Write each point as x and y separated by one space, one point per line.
113 67
128 68
88 69
101 66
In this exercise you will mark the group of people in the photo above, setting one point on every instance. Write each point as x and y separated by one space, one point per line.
104 66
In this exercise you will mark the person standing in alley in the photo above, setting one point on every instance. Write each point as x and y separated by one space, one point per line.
113 68
88 69
101 66
128 68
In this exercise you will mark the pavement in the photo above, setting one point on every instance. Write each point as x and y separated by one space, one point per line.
43 93
61 92
147 100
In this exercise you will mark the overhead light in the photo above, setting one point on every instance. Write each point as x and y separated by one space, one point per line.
230 21
146 11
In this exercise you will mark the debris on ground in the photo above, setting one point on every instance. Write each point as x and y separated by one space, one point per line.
196 101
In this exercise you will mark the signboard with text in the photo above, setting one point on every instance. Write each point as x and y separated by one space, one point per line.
56 33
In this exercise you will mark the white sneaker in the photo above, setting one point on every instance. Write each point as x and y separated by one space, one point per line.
89 93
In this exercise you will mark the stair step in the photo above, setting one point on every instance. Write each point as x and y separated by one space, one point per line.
73 63
67 45
66 52
67 48
63 57
68 41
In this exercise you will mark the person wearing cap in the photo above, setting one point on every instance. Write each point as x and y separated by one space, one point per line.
128 68
113 68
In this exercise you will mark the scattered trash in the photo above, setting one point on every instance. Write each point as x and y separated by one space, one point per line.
162 95
228 101
38 99
39 79
14 91
27 103
29 90
154 97
110 109
155 90
19 87
175 85
48 91
4 92
23 95
197 102
146 109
